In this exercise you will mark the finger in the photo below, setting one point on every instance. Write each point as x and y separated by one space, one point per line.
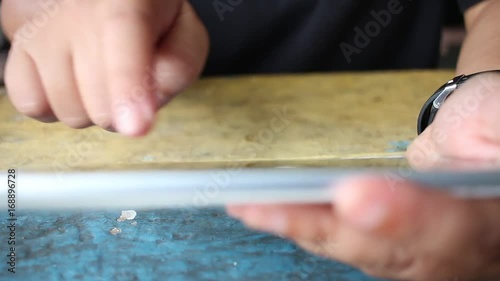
90 78
182 53
24 87
131 30
378 206
57 75
375 255
293 221
438 226
316 229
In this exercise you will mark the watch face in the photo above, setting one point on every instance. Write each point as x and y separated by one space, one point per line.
428 112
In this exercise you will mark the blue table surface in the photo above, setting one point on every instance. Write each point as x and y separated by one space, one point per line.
199 244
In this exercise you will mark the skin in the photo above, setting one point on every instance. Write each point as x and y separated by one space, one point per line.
127 60
388 228
392 228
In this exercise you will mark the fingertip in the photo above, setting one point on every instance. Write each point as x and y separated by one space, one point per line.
39 111
128 81
133 121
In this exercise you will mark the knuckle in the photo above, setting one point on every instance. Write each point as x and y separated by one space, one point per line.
119 13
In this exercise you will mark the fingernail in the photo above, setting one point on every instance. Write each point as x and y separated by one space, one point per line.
129 122
134 119
363 208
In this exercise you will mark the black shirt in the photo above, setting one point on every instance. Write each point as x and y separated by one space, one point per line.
279 36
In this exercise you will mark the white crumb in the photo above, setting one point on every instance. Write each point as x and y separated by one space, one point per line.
235 263
115 231
127 215
133 223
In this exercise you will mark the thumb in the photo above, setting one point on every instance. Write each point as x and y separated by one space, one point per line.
403 210
181 55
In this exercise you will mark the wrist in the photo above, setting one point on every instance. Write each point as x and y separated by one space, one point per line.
434 103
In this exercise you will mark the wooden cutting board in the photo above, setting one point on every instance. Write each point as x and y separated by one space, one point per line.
334 119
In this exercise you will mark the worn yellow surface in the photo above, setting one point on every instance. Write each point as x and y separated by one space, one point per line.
335 119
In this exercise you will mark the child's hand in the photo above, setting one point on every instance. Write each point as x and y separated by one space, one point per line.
112 63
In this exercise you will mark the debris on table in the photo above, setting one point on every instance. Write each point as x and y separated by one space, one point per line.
127 215
134 223
115 231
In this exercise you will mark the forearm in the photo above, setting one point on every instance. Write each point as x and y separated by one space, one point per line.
481 49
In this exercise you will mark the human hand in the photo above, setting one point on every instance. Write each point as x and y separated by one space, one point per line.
396 229
110 63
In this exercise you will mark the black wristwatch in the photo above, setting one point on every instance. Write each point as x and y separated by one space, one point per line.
432 105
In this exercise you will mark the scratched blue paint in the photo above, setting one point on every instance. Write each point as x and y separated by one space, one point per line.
398 146
164 245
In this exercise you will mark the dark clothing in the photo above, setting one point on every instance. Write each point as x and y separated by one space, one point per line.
279 36
466 4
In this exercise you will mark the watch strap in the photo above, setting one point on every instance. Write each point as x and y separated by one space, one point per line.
432 105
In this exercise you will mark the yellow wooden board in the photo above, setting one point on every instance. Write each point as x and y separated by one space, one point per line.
333 119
